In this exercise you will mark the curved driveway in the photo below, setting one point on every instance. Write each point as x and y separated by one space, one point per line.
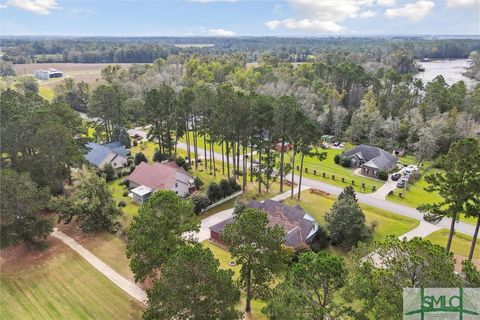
371 200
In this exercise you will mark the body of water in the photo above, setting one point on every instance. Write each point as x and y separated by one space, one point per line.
451 70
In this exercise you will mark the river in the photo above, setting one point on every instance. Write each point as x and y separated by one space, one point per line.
451 70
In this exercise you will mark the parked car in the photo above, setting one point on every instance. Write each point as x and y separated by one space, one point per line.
407 172
401 184
412 167
396 176
336 144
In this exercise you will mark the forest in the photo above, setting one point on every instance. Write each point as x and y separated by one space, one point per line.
218 103
146 50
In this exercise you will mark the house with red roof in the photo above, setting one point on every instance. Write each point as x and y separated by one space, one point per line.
149 178
299 226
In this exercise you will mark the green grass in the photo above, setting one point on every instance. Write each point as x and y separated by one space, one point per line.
417 195
329 167
460 242
107 247
61 285
224 257
131 207
46 92
200 145
387 222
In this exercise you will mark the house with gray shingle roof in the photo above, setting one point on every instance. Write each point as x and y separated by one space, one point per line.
101 154
371 159
299 226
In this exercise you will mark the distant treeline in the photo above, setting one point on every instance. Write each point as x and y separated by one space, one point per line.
145 50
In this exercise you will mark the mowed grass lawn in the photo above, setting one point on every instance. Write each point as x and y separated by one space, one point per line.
224 258
59 284
417 195
106 246
387 222
460 242
330 168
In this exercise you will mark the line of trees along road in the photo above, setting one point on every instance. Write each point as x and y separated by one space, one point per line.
239 110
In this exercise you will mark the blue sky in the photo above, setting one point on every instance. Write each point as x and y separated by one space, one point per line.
240 17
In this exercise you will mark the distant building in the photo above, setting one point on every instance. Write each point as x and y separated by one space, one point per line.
47 74
328 138
372 160
148 178
113 153
299 226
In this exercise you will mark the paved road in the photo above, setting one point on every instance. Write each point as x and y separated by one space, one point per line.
376 201
126 285
423 230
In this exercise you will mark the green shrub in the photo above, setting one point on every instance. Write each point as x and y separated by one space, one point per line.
320 240
180 161
109 172
383 175
159 157
139 157
121 204
345 162
125 193
200 201
214 192
197 182
336 159
226 188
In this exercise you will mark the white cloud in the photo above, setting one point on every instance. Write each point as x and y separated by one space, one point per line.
413 11
221 33
386 3
367 14
325 15
462 3
41 7
305 24
209 1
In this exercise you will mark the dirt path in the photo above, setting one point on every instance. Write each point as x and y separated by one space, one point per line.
126 285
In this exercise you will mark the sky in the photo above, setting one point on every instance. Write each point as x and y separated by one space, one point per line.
229 18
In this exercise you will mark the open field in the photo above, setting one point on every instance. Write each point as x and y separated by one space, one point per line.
460 242
388 222
59 284
87 72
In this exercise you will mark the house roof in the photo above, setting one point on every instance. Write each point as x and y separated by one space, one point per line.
141 190
99 152
298 226
159 175
374 157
